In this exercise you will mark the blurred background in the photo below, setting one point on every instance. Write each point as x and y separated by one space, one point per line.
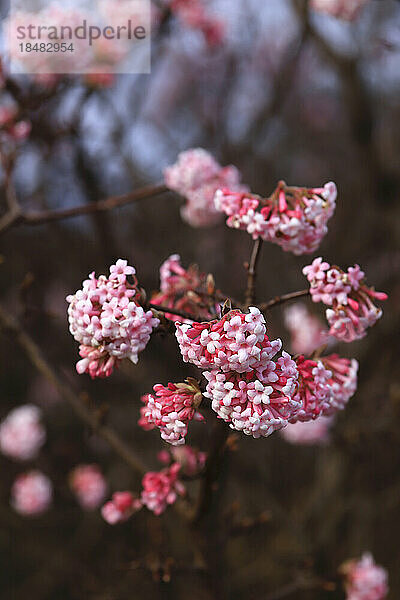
288 94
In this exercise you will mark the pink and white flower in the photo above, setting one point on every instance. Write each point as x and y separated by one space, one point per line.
121 506
31 493
351 309
365 580
108 322
342 381
193 14
306 330
161 488
89 485
21 433
310 433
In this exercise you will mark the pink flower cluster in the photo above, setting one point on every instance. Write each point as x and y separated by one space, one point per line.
121 506
196 176
192 461
306 331
342 380
295 218
194 15
89 485
365 580
21 433
161 488
182 289
12 128
31 493
351 308
108 322
343 9
308 433
171 408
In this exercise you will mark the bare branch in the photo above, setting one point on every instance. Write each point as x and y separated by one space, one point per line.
282 299
252 273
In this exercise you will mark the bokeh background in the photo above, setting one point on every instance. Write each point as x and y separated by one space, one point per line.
288 95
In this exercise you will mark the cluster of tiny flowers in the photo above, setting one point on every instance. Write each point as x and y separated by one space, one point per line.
170 409
161 488
365 580
310 433
295 218
12 129
89 486
194 15
192 461
121 506
31 493
342 9
351 309
306 331
21 433
196 176
182 289
107 321
342 380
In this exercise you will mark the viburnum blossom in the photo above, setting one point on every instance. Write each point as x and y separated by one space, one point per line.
351 302
295 218
31 493
89 485
171 408
315 432
365 580
161 488
183 289
121 506
313 392
108 322
191 460
306 330
343 9
342 381
236 342
193 14
259 401
196 176
21 433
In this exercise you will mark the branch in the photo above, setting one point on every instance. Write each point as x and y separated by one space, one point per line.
282 299
178 313
252 273
47 216
33 352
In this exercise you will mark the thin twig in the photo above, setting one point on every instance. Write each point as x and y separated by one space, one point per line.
178 313
282 299
252 273
11 325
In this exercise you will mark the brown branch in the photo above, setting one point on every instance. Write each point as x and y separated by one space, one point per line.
33 352
47 216
252 273
178 313
282 299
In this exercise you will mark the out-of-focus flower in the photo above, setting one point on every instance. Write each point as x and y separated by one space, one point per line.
257 402
21 432
295 218
31 493
121 506
89 485
12 127
351 308
191 460
161 488
343 9
306 330
315 432
171 408
108 322
187 290
196 176
193 14
364 579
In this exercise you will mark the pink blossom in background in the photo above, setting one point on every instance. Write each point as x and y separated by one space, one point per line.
315 432
182 289
365 580
306 331
108 322
171 408
89 485
21 433
295 218
161 488
191 460
343 9
121 506
193 14
31 493
12 127
351 309
196 176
